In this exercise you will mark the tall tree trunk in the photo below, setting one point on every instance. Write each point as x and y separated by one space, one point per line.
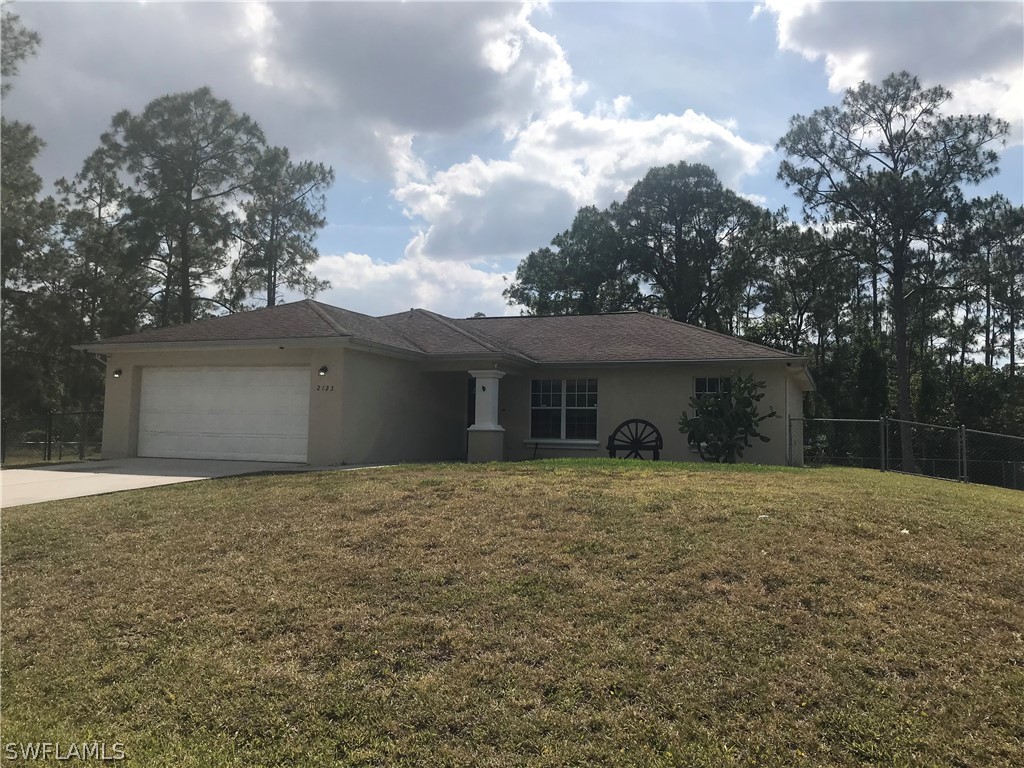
923 341
93 302
858 295
1013 327
682 309
1013 351
702 296
876 317
272 265
965 339
185 259
903 404
169 284
185 286
989 341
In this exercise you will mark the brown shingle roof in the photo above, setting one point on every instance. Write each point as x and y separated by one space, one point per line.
439 335
285 321
367 328
300 320
616 337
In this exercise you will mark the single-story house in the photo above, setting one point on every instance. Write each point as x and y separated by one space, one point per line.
308 382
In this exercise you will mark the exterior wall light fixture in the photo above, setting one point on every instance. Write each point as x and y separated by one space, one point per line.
117 373
323 370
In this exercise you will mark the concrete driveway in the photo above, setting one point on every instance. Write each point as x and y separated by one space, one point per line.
67 481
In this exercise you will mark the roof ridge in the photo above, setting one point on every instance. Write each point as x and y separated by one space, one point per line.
548 317
319 310
719 333
450 323
324 305
509 348
393 329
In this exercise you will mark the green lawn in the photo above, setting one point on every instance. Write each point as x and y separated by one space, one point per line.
549 613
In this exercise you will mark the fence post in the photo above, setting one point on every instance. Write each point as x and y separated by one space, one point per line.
789 441
48 449
81 436
881 443
960 454
963 450
885 443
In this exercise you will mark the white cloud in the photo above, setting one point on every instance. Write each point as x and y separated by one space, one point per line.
422 68
558 163
756 199
356 85
449 68
333 80
976 50
363 284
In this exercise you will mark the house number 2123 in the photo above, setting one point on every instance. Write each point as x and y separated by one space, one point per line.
324 387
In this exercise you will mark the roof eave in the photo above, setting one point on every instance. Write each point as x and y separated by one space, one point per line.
672 361
804 374
352 342
470 360
106 348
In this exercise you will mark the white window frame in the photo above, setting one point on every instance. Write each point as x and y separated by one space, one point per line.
697 395
562 412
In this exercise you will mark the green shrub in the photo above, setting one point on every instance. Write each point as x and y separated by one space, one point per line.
723 423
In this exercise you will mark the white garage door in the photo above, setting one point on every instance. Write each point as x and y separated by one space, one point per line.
254 414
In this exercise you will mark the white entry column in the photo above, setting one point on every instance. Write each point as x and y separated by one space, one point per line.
486 436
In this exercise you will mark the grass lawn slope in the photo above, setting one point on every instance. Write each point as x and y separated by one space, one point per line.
550 614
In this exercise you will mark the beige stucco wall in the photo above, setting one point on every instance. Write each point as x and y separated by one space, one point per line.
385 409
121 403
394 411
658 394
796 427
380 409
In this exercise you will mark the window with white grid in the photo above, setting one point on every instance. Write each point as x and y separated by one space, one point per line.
563 409
709 385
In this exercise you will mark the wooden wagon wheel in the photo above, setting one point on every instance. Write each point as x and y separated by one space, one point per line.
633 438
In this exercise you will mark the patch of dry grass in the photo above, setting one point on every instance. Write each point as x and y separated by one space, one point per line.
550 613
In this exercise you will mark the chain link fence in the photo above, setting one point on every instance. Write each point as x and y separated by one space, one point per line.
993 459
936 449
839 442
51 436
951 453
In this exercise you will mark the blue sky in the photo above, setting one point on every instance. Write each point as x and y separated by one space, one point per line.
465 135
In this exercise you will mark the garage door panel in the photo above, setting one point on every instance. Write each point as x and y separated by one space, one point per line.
254 422
227 427
253 448
252 413
227 411
256 448
253 400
